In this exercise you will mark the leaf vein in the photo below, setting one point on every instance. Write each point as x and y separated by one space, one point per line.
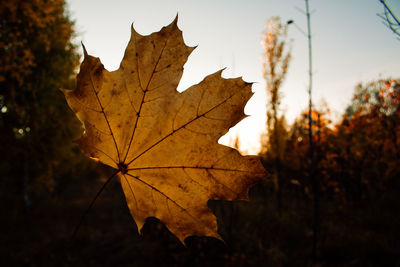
181 127
102 111
173 201
144 95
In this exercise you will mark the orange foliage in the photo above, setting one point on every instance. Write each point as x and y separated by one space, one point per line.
27 28
359 157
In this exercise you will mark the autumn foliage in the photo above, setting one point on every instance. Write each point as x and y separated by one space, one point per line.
37 57
47 182
29 27
356 166
357 158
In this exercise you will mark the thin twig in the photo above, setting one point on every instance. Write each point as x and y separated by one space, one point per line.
389 19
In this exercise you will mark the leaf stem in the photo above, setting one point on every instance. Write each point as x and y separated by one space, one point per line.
93 201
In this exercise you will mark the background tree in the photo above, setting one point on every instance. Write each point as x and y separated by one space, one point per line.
37 58
358 158
370 129
276 59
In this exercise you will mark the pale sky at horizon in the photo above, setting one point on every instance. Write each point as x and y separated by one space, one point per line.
350 45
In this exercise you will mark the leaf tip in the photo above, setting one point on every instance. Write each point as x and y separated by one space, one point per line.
134 32
85 53
192 48
253 83
175 21
64 91
221 70
132 27
248 83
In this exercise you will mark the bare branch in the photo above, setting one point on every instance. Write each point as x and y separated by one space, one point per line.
389 19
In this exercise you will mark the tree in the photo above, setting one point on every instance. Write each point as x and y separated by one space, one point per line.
358 158
37 58
276 59
389 19
371 127
298 143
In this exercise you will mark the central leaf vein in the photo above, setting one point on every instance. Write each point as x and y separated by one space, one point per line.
144 95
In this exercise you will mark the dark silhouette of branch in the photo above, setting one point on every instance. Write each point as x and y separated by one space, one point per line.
389 19
313 179
311 149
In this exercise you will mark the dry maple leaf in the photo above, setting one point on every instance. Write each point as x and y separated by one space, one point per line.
164 143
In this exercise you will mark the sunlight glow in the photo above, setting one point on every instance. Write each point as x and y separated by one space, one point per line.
230 37
94 159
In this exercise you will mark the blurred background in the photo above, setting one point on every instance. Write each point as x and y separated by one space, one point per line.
331 193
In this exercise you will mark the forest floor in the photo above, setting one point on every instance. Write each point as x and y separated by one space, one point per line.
363 234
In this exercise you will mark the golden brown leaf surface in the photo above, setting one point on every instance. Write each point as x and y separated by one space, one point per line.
164 142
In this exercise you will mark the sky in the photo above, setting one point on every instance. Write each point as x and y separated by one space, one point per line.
350 45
